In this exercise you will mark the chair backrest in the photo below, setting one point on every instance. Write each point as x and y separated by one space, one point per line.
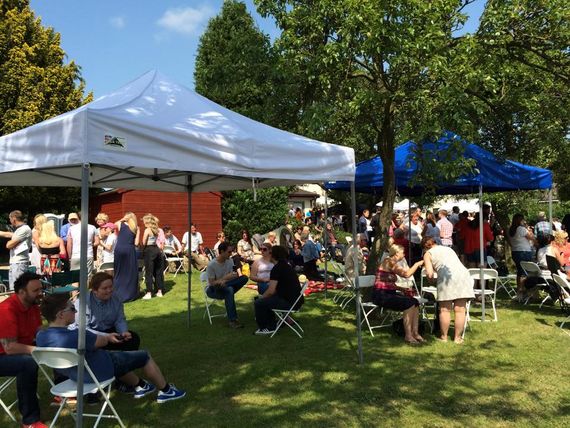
210 253
553 264
562 283
106 266
531 268
168 249
301 294
64 278
204 277
488 274
366 281
492 262
4 276
56 358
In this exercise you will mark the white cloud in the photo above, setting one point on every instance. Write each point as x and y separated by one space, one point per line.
185 20
117 22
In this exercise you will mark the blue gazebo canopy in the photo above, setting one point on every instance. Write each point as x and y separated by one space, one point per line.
495 175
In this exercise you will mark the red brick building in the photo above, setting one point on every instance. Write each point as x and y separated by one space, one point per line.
169 207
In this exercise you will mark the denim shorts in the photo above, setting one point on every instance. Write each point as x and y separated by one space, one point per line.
521 256
127 361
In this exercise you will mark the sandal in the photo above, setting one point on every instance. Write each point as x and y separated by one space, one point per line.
458 341
412 342
440 339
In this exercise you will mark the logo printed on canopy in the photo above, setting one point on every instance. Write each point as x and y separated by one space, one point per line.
115 143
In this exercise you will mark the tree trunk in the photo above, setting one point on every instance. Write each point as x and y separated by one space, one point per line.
385 142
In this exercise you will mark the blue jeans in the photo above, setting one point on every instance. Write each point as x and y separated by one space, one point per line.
26 371
262 286
227 294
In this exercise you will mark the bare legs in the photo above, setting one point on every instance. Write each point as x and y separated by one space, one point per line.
151 371
411 324
445 318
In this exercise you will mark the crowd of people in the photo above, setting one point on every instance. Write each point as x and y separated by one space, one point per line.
445 245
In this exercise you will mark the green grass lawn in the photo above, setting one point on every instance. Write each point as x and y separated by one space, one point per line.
510 373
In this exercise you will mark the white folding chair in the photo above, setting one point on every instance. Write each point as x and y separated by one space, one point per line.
367 308
285 315
64 358
8 407
171 257
491 278
564 290
532 270
504 280
106 266
209 302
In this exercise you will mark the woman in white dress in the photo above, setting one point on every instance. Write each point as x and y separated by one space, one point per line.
454 285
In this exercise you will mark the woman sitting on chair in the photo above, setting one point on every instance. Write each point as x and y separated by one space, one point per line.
106 316
385 294
284 288
261 268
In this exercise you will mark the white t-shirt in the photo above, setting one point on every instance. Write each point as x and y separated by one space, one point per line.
519 242
109 255
75 233
196 241
541 256
21 252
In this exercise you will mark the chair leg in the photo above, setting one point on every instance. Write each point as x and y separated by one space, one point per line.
544 301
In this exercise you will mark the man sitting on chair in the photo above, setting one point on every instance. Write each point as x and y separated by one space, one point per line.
19 322
60 313
224 282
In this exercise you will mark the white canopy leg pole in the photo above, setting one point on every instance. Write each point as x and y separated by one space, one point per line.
189 243
326 240
356 273
550 208
83 277
481 253
409 230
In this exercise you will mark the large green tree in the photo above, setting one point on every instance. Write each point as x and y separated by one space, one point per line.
36 83
377 68
235 68
234 62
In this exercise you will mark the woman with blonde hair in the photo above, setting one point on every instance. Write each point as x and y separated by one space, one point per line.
386 294
153 258
126 277
261 268
35 257
51 249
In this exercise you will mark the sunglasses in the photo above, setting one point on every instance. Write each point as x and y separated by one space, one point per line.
264 249
69 309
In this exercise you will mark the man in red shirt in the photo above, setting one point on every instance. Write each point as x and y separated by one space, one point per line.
20 320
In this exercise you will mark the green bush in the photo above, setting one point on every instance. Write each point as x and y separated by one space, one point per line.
240 211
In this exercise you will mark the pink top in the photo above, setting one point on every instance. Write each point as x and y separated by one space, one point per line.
385 280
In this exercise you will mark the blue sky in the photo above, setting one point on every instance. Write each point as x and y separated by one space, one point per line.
115 42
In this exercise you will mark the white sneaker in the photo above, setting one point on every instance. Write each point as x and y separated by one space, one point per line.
263 332
147 296
159 294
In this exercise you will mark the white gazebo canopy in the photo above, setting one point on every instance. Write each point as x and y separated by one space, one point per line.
152 133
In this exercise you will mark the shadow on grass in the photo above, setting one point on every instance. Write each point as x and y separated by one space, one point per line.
234 378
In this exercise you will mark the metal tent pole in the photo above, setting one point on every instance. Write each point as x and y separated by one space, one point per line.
189 243
326 240
83 277
481 253
356 274
550 208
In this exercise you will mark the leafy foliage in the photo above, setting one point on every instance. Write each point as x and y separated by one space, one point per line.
234 63
35 84
240 211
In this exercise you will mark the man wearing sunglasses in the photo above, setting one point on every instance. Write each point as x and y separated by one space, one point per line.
19 322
